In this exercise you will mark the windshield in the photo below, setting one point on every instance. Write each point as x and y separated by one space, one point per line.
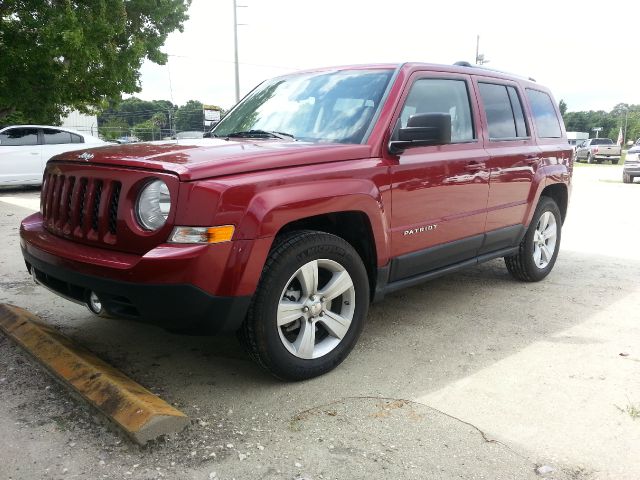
336 106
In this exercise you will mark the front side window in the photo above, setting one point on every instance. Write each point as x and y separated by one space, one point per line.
56 137
337 106
544 115
19 136
436 95
503 109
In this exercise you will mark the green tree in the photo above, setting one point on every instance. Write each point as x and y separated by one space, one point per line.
73 54
563 107
146 130
134 110
189 116
114 128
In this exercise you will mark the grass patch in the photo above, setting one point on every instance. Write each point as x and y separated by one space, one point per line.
631 409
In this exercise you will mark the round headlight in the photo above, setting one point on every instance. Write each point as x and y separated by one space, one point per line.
153 205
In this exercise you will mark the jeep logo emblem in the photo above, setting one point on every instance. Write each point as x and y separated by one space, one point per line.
86 156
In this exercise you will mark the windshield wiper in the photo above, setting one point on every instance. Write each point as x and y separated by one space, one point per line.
260 134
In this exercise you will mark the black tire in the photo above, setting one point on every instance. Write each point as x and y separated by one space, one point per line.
589 158
626 178
522 265
260 334
614 162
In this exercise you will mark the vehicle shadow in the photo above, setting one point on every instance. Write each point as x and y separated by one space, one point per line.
414 341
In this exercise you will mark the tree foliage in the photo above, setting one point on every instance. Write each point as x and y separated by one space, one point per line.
72 54
611 122
190 117
563 107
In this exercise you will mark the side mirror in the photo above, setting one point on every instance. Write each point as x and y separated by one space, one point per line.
423 129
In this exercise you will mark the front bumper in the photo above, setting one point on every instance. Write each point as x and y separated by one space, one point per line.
182 287
632 169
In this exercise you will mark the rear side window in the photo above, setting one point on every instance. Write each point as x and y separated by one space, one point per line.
76 138
544 115
503 109
435 95
56 137
19 136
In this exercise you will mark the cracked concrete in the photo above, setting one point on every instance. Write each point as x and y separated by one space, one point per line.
470 376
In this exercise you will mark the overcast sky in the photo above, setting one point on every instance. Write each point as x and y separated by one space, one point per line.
559 43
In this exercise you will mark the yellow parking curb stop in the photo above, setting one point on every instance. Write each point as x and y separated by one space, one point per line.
141 414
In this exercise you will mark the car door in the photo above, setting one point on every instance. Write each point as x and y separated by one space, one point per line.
20 156
581 151
513 164
439 193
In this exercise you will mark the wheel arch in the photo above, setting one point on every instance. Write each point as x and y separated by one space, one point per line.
560 194
352 226
348 208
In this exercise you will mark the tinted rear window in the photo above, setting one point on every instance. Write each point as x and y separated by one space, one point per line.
55 137
503 110
544 114
601 141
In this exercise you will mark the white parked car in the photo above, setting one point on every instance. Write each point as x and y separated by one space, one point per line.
25 150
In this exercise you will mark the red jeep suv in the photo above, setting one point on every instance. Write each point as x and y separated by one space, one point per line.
318 193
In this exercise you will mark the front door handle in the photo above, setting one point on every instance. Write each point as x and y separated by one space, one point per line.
531 159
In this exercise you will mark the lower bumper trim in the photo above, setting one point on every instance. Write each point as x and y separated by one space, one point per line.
179 307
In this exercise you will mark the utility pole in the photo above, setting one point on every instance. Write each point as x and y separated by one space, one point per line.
480 60
626 118
235 46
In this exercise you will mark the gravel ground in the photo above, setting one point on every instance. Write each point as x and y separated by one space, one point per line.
470 376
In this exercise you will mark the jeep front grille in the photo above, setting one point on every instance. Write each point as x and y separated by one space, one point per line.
83 208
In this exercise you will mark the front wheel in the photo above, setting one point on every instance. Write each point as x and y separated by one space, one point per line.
309 308
539 248
626 178
615 161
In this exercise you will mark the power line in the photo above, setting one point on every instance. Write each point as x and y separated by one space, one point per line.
217 60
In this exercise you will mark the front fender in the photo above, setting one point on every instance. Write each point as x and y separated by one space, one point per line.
270 210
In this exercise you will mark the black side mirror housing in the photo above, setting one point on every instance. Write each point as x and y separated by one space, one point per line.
423 129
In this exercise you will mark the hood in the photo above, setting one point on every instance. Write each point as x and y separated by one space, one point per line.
213 157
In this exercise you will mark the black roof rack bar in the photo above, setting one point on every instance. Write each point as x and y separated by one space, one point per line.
463 63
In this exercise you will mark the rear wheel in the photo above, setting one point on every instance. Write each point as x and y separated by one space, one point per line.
626 178
309 308
615 161
539 248
589 158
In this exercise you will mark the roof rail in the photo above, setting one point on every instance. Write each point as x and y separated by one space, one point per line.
463 63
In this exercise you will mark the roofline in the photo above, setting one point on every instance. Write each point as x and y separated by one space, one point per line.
458 67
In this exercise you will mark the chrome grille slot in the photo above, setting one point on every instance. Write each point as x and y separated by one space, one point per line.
74 206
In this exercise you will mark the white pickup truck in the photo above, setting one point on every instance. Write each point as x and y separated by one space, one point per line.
598 150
